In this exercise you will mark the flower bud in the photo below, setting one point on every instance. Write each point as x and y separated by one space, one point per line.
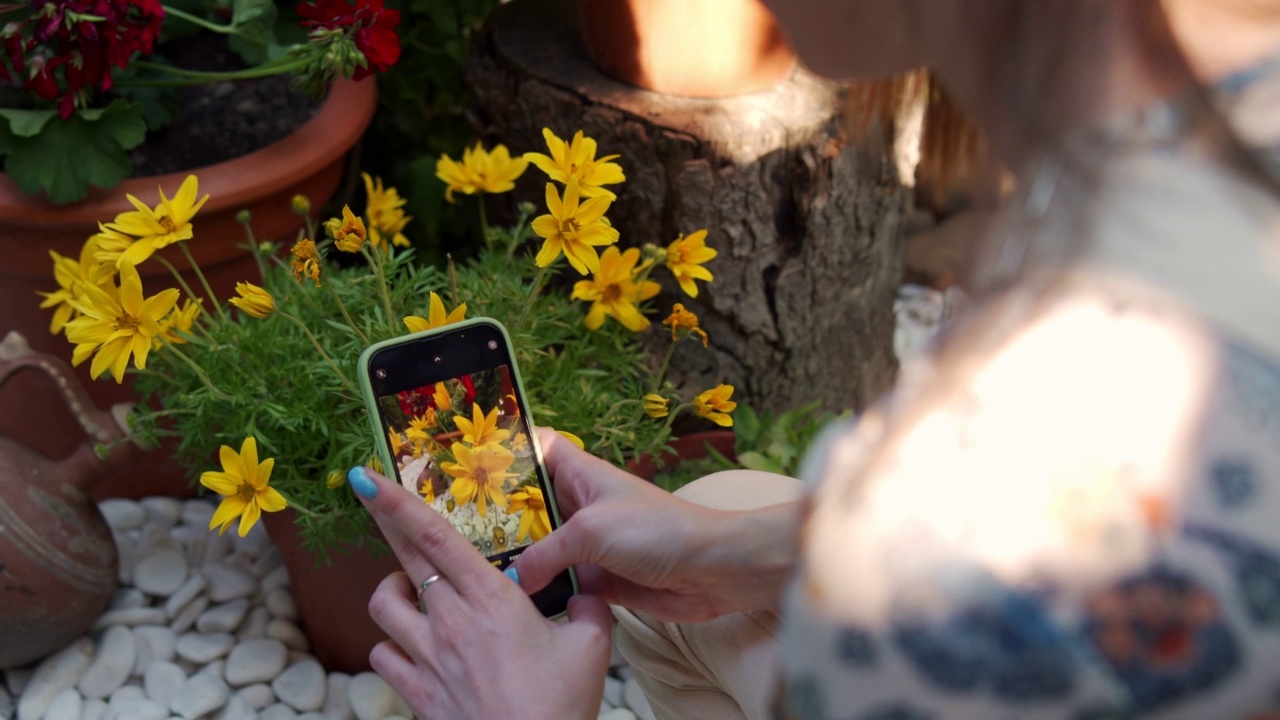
243 217
301 205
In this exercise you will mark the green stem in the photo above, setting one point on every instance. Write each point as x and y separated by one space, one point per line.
257 254
195 267
533 295
662 370
375 260
345 315
199 371
185 287
182 76
171 11
303 326
484 224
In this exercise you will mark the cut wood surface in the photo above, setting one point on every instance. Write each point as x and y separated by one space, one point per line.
807 220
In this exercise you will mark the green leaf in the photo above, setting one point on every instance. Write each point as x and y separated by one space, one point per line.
753 460
254 22
87 149
27 123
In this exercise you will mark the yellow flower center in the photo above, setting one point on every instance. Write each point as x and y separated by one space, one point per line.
570 227
166 222
612 292
673 257
481 477
246 492
535 503
125 321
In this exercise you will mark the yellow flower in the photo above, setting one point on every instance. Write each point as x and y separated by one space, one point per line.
684 319
109 245
613 291
167 223
179 320
573 439
519 442
528 501
253 300
481 429
306 261
573 229
70 276
349 234
428 492
480 171
444 403
335 479
419 427
656 406
375 464
714 405
479 474
386 218
436 316
243 483
117 322
396 441
577 160
685 257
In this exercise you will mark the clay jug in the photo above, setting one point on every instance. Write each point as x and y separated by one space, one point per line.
58 563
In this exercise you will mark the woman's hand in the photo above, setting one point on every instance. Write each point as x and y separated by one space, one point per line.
482 650
641 547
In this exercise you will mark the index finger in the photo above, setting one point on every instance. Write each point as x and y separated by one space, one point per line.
399 513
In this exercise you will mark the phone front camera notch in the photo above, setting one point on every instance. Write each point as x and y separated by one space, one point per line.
380 373
437 359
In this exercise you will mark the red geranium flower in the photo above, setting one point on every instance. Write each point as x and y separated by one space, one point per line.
373 29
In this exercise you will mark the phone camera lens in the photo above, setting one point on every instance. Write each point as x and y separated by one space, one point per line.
493 344
380 373
438 359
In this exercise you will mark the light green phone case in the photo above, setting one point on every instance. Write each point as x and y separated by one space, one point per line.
380 437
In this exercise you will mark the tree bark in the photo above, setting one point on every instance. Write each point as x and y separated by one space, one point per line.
806 214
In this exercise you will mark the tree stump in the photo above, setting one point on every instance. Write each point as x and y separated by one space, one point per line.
807 219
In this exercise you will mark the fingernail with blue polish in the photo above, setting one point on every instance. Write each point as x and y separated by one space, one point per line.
512 573
361 483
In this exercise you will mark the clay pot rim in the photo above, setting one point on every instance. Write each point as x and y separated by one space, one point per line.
234 183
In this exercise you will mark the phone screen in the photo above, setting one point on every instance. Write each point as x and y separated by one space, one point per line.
460 439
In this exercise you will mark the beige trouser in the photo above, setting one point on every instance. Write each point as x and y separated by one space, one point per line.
724 668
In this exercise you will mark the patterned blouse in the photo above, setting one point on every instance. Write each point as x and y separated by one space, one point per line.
1076 514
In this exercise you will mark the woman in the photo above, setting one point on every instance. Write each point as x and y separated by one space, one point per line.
1063 513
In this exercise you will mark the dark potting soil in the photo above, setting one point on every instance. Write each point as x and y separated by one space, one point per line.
219 121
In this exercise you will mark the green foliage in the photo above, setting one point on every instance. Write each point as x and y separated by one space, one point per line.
421 112
63 158
762 441
266 378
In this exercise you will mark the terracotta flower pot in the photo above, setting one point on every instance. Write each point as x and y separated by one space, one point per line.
333 598
688 447
698 48
309 162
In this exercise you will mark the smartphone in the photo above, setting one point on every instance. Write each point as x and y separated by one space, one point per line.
452 426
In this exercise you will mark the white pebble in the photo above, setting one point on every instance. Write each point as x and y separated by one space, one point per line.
202 693
185 594
316 716
93 709
279 711
215 668
66 706
258 696
156 538
162 511
613 691
256 660
126 558
255 625
617 714
200 648
280 603
237 708
255 542
227 582
135 709
186 617
6 703
373 699
216 547
126 598
301 686
156 643
193 539
337 706
122 514
163 683
130 616
223 618
128 692
277 578
268 561
297 656
197 512
160 572
116 655
636 701
54 674
289 634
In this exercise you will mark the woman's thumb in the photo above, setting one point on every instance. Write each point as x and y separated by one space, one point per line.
542 561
